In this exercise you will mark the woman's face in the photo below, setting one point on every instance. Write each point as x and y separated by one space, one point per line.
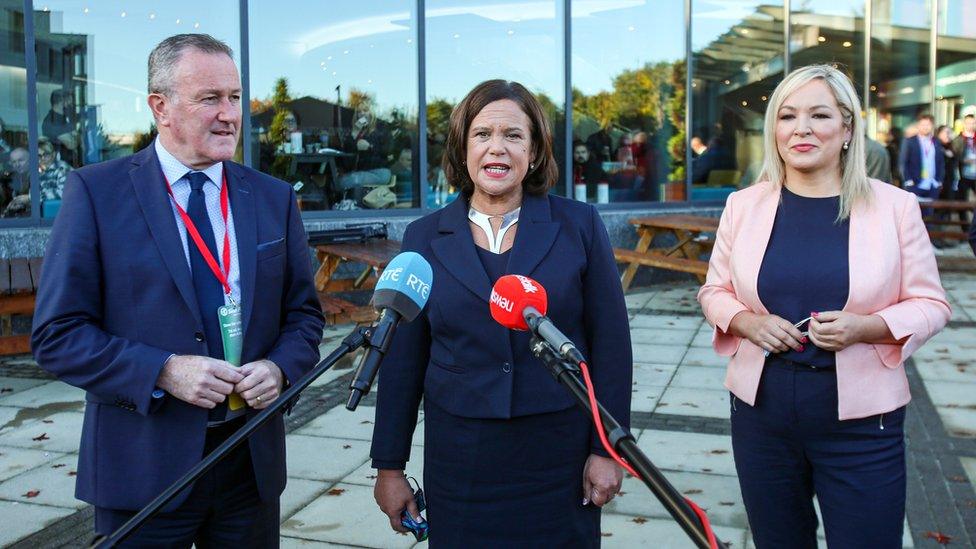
945 135
810 129
499 148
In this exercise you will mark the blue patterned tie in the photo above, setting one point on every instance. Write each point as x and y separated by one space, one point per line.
209 292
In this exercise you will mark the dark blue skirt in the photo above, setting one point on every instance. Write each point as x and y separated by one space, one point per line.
508 482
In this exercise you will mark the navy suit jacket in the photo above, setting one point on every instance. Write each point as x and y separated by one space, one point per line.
116 300
457 356
911 161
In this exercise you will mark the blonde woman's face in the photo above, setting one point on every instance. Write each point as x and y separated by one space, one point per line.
810 129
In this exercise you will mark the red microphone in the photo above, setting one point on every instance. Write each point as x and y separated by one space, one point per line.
519 303
510 297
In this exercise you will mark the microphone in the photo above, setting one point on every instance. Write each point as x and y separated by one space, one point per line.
520 303
401 293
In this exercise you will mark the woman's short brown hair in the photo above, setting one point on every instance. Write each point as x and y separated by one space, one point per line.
537 181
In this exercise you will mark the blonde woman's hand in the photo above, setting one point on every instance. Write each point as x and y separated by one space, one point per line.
772 333
838 330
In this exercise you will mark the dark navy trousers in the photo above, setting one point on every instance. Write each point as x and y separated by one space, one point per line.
790 446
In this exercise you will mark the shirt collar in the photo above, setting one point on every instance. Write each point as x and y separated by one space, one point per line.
174 170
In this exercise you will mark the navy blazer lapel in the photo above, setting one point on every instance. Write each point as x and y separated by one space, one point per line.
246 232
535 237
150 190
455 250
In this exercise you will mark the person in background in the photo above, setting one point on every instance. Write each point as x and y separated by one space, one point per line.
822 282
964 147
922 161
5 147
893 145
54 172
586 168
951 162
59 127
877 163
698 147
509 460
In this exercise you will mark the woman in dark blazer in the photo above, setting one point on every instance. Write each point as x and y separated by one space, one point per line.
509 460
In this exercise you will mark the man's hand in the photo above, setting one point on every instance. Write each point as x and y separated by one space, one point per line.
262 383
601 480
200 380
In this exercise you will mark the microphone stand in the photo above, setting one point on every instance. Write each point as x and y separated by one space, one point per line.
567 374
358 338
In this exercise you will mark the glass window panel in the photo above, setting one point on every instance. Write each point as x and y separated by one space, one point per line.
737 50
14 156
628 100
470 43
334 101
900 88
831 32
91 77
955 75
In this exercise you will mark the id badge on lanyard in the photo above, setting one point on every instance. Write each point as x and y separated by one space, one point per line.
228 316
928 150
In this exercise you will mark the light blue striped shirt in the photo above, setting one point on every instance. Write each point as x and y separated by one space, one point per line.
175 172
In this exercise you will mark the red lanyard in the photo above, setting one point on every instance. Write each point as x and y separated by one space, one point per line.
191 229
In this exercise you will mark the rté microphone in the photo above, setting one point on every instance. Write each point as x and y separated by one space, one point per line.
520 303
401 293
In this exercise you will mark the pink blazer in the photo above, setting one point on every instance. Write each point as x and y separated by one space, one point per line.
892 274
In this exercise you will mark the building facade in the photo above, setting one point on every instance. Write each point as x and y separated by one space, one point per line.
655 104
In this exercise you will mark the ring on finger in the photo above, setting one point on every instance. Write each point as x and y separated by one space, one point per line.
258 399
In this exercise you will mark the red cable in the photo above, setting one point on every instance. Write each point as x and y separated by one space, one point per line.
595 411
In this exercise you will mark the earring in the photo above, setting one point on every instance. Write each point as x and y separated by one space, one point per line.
847 145
464 162
531 166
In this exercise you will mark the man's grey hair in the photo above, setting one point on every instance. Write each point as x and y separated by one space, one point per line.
165 56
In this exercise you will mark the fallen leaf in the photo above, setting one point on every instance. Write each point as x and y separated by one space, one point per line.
620 494
335 492
6 390
692 491
365 422
47 421
706 470
346 446
72 473
638 520
606 534
370 477
58 466
40 437
719 452
957 478
939 537
32 494
689 404
726 503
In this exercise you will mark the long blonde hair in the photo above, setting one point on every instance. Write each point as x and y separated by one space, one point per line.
854 186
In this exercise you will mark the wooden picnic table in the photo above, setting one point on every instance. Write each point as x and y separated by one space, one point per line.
684 255
375 255
935 224
18 285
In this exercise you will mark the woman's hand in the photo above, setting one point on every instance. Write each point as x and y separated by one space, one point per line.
393 494
838 330
601 480
773 333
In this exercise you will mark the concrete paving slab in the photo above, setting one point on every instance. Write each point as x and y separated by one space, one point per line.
969 465
718 495
628 532
699 356
290 543
341 423
662 336
53 481
365 475
14 461
323 458
686 305
645 399
689 452
349 516
653 375
10 386
938 369
958 422
658 354
952 394
54 433
52 392
669 322
637 300
22 519
298 493
699 377
694 402
703 339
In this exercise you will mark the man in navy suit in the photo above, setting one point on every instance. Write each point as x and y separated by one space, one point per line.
922 162
144 252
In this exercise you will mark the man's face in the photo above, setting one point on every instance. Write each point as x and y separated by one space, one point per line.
969 124
581 154
925 127
18 160
200 120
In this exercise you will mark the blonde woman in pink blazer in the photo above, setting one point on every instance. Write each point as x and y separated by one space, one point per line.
821 283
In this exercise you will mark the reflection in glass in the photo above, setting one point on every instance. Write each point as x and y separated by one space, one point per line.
470 43
737 62
832 32
334 101
91 77
14 156
955 76
628 100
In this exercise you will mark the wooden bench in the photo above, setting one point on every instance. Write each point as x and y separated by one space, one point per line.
18 286
933 222
684 256
375 255
693 266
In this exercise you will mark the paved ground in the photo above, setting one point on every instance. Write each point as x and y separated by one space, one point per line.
680 417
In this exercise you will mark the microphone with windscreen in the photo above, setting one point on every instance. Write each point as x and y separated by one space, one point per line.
520 303
401 293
